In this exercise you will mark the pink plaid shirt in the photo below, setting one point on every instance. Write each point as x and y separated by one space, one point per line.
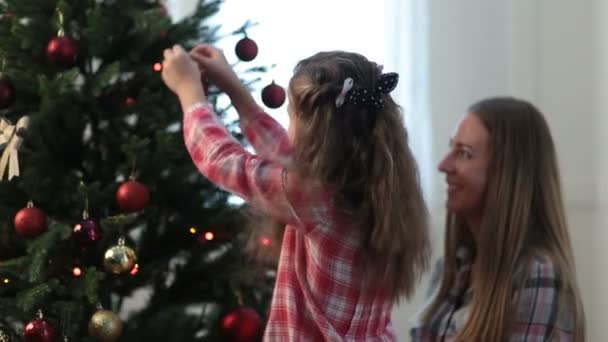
318 294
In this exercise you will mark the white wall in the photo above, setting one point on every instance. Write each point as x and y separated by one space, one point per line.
598 311
554 54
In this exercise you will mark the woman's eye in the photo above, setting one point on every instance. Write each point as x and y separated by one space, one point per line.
463 154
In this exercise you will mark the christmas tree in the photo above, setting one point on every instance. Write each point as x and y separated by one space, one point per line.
100 204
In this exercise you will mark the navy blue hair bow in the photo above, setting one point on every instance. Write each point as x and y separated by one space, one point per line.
371 98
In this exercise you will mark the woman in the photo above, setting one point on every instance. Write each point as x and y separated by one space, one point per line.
508 272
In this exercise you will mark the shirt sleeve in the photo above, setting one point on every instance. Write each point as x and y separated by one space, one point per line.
540 315
264 184
268 138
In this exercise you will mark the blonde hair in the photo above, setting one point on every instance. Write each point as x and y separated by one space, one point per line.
523 217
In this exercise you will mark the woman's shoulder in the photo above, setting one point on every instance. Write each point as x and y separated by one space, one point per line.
541 269
538 280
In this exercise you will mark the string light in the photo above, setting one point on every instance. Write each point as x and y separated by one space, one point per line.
265 241
6 280
129 102
158 67
192 230
77 271
135 269
209 236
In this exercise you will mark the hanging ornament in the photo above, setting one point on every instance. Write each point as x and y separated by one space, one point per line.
132 196
273 95
105 326
120 258
246 49
30 221
242 325
7 93
61 50
39 330
11 139
5 336
87 232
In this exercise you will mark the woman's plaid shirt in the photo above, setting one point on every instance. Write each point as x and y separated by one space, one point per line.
538 318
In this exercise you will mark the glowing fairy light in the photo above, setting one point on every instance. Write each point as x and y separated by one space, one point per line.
209 236
77 271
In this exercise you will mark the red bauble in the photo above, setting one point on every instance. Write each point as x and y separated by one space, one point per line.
87 232
7 93
39 330
30 222
273 95
61 51
132 196
242 325
246 49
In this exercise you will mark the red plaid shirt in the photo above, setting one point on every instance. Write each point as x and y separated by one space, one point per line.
318 294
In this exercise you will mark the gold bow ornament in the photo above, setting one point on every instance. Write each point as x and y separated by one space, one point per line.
11 138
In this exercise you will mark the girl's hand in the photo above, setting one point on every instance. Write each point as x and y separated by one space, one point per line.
181 75
215 68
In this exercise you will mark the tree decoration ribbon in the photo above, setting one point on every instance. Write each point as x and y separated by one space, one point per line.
11 138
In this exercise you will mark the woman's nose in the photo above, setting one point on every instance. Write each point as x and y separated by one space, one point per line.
445 165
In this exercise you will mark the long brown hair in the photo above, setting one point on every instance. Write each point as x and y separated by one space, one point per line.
362 156
523 217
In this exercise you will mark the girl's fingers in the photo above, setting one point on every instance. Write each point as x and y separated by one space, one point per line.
197 58
202 49
178 49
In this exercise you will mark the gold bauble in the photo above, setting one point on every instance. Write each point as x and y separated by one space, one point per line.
4 336
105 326
119 259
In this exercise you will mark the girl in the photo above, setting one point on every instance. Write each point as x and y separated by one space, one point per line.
342 180
508 273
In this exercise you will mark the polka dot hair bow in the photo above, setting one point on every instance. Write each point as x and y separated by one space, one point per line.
371 98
